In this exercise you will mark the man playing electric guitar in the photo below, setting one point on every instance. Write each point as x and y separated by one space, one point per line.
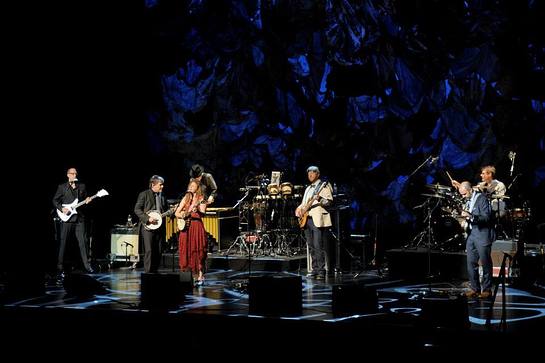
478 214
315 219
72 222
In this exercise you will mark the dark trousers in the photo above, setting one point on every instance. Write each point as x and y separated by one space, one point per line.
152 248
478 251
67 229
316 244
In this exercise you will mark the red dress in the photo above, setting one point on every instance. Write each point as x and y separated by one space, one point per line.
192 242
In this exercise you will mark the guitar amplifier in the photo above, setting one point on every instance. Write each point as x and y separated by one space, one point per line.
124 244
499 247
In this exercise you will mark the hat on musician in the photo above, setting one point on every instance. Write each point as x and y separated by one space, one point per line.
196 171
313 168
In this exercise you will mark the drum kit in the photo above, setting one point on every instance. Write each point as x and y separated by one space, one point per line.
446 228
267 221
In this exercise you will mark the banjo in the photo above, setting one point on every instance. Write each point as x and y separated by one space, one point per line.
183 223
158 217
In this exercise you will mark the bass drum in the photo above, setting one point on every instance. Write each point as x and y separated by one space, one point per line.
448 233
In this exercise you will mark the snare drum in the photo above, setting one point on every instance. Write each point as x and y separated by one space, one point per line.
273 189
286 188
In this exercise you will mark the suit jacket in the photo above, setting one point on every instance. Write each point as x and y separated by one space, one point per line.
65 194
320 215
146 202
482 231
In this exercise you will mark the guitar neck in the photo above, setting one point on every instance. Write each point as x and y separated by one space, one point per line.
83 202
313 198
168 212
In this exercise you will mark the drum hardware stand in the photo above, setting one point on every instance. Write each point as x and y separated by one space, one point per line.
427 233
242 219
502 278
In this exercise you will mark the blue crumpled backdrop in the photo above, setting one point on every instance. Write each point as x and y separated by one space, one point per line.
366 89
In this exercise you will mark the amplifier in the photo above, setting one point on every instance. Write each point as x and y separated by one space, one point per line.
124 244
499 247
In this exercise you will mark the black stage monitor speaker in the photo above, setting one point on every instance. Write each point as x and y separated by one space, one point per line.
164 291
353 299
82 286
276 295
445 311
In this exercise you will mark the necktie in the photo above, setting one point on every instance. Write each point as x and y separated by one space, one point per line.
158 202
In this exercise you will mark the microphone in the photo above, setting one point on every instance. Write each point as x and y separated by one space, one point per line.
512 156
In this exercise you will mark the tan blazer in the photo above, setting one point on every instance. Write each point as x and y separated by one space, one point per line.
320 215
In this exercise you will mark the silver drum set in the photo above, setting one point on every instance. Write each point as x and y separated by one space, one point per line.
446 229
267 221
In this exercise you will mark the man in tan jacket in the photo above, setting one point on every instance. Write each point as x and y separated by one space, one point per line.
315 219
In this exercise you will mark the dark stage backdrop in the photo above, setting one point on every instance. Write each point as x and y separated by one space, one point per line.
367 90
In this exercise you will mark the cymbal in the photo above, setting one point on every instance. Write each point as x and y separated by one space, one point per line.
437 187
433 195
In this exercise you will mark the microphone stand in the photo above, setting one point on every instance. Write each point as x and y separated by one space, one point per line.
420 166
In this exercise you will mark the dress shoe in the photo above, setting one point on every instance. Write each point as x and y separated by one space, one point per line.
486 294
60 278
471 294
90 270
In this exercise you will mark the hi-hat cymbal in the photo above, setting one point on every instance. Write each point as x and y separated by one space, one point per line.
433 195
437 187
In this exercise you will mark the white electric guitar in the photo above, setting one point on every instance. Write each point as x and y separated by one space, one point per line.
74 205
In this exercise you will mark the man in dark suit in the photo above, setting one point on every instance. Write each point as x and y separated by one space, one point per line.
66 194
478 214
148 200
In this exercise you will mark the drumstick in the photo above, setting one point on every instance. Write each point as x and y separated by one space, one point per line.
449 176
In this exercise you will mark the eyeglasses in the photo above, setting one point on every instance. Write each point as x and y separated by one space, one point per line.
73 173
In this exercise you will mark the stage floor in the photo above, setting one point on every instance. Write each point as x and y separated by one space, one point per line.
220 311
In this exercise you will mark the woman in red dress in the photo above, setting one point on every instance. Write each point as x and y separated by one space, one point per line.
192 245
